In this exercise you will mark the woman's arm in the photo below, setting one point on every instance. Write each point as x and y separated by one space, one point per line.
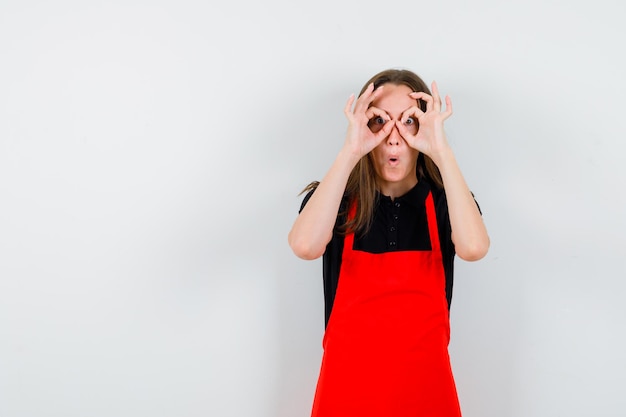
469 233
313 227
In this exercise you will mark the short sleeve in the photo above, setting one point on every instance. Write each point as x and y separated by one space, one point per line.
306 199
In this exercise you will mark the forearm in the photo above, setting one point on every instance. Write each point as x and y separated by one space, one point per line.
469 234
313 228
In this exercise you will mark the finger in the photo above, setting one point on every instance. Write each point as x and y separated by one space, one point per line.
373 96
376 119
411 111
448 111
375 111
347 110
410 120
417 96
423 96
436 97
407 135
384 132
403 130
366 98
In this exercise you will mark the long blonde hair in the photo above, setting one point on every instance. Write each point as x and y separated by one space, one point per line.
361 187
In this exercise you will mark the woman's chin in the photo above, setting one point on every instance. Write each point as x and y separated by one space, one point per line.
403 180
396 176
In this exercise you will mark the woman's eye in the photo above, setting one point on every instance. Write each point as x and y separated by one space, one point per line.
410 121
376 123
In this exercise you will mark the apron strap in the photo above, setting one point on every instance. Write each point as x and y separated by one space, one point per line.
431 216
433 229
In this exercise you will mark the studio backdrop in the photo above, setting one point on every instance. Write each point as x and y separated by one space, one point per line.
151 156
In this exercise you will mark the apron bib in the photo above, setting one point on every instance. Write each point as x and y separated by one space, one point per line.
386 343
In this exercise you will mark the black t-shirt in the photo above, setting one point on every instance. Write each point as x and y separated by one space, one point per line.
398 225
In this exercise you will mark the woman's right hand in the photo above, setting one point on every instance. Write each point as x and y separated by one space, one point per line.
360 139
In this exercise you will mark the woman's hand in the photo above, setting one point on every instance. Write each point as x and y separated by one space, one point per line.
313 228
471 241
360 139
430 138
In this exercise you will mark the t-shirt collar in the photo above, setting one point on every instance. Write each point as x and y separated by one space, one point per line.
414 197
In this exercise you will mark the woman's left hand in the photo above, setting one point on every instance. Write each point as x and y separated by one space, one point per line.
430 138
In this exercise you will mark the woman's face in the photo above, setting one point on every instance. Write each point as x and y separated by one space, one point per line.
394 160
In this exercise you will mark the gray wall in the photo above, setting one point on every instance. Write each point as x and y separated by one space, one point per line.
150 159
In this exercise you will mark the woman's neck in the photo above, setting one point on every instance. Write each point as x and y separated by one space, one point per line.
396 189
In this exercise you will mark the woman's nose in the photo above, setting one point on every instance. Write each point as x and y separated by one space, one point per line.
394 137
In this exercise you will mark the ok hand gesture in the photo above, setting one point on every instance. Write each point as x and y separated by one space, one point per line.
430 138
360 139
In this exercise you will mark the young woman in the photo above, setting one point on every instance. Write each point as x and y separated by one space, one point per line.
389 217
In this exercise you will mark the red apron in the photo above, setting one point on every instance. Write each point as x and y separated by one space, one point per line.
386 343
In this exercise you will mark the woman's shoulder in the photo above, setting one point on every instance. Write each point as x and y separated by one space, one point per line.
310 190
439 197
